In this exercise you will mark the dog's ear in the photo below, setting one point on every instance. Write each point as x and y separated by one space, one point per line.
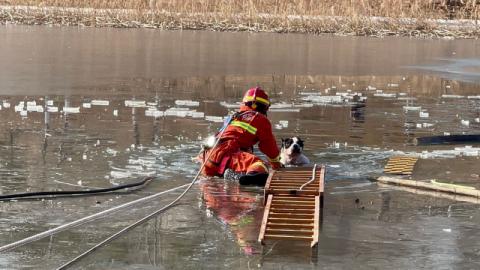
300 142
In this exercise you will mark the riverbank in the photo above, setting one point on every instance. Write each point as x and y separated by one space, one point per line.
260 22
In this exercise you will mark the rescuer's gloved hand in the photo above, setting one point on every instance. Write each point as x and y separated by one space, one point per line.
276 165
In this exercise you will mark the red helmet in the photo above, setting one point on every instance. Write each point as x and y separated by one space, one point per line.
256 95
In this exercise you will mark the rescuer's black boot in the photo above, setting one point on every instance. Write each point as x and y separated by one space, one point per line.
253 178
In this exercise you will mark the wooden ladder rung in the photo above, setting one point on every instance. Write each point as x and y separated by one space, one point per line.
294 198
296 207
291 215
292 220
299 202
289 237
289 226
292 210
290 232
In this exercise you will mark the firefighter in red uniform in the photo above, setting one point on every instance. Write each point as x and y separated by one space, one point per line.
232 158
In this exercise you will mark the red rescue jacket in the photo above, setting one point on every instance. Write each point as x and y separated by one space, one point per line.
248 128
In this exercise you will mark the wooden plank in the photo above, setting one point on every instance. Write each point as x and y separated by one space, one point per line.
261 236
289 226
292 210
316 224
287 237
291 232
295 179
290 215
299 202
295 198
427 185
292 220
292 186
305 174
292 190
298 207
299 183
267 185
306 170
321 184
296 192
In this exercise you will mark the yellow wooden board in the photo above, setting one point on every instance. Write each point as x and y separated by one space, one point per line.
400 165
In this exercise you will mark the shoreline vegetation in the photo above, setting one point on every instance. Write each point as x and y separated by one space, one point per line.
415 18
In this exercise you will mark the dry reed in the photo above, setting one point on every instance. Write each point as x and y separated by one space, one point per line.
356 17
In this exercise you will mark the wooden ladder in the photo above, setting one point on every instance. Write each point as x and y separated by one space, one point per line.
293 212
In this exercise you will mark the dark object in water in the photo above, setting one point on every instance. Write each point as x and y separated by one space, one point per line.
450 139
257 179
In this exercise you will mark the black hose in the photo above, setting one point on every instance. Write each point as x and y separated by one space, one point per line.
53 194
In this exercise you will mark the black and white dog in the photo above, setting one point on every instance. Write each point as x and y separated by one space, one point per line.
291 153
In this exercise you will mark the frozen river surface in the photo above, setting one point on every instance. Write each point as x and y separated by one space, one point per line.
88 108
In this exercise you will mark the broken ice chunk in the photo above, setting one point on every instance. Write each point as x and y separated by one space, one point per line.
98 102
154 113
71 109
217 119
412 108
52 109
135 103
452 96
284 123
189 103
385 95
198 114
31 103
424 114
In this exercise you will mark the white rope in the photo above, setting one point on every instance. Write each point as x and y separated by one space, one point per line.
83 220
314 175
146 218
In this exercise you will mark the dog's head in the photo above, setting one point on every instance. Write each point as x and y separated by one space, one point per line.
292 146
